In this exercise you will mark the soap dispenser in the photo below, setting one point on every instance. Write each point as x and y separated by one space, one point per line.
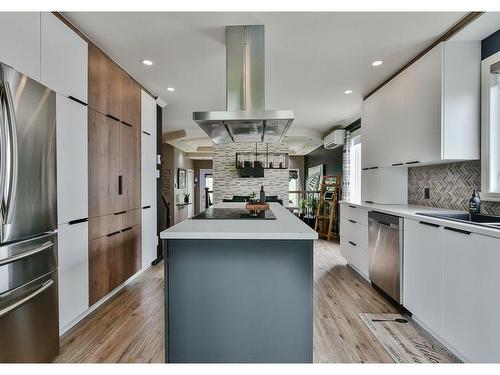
475 203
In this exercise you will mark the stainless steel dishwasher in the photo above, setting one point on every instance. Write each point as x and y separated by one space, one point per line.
385 249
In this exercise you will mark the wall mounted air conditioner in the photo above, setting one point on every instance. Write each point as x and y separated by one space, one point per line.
334 139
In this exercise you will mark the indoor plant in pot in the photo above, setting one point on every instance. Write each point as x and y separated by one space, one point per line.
186 197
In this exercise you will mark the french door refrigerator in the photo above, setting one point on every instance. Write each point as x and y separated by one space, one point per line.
28 220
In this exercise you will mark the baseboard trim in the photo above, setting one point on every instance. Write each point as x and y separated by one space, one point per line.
99 303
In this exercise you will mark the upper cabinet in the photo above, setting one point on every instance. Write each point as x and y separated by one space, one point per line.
148 114
64 58
20 42
111 91
427 114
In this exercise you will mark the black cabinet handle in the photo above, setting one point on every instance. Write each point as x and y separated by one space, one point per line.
397 164
145 207
126 229
412 162
352 206
120 213
120 185
77 100
370 202
458 230
126 123
365 169
374 168
78 221
352 243
429 224
146 132
113 233
352 221
112 117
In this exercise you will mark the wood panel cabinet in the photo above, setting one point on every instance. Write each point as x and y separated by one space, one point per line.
20 42
113 259
131 102
129 195
104 164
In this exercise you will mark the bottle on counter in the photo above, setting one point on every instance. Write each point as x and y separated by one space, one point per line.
475 203
262 194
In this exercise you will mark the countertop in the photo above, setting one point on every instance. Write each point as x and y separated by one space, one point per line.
410 212
286 227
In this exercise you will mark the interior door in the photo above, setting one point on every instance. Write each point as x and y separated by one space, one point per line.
190 191
28 156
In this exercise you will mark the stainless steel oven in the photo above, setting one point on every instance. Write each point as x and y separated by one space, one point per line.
385 249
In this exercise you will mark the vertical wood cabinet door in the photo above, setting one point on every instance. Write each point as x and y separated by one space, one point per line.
20 42
130 168
64 58
131 102
471 300
423 265
131 251
99 266
105 83
149 238
104 164
73 271
72 161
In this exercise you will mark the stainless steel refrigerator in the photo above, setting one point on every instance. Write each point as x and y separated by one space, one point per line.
28 220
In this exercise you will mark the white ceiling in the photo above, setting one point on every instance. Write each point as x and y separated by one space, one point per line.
311 59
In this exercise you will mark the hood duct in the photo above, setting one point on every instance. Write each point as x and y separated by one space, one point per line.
245 118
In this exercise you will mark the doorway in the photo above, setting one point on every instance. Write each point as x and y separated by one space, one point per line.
190 191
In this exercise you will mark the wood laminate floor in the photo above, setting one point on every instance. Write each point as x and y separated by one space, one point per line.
129 327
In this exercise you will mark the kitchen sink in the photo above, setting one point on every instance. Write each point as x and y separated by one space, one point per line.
475 219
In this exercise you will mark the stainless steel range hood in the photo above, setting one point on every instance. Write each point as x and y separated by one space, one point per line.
245 118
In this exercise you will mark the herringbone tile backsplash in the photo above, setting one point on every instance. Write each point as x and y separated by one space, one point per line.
450 185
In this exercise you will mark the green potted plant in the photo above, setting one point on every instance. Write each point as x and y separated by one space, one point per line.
253 197
313 205
186 197
303 206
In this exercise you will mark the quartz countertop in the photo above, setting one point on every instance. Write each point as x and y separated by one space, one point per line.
411 212
286 227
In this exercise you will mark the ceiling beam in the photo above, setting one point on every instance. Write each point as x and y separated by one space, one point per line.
172 136
205 149
462 23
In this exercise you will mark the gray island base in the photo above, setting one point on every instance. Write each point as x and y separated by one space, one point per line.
245 300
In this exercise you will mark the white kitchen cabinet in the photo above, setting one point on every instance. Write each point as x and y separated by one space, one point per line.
356 256
72 161
384 185
73 271
471 300
148 170
149 237
20 42
427 114
423 273
64 58
148 114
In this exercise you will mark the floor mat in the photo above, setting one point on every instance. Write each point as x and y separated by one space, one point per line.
405 341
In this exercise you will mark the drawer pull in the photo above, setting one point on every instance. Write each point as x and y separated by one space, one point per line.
458 230
370 202
429 224
352 243
365 169
412 162
113 233
120 185
78 221
112 117
145 207
353 221
120 213
397 164
126 123
14 258
127 229
77 100
145 132
352 206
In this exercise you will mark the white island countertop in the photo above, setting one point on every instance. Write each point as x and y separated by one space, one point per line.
286 227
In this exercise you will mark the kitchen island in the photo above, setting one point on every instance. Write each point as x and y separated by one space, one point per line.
239 290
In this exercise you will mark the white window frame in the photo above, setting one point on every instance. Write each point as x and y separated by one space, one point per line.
486 64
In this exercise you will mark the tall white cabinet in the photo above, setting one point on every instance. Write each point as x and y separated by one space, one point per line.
72 209
148 179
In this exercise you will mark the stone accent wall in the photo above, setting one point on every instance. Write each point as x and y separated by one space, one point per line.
226 180
450 185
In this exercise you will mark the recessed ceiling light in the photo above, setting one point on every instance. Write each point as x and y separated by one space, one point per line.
147 62
348 92
170 89
377 63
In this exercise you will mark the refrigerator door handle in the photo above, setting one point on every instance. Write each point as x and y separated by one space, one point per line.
45 246
13 155
46 285
3 152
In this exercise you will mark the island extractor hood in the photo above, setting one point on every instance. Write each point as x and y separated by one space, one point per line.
245 119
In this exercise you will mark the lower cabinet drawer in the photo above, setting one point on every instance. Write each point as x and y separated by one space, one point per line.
104 225
353 231
356 213
356 256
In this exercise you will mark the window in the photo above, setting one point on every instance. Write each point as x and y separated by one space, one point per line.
490 125
294 185
355 170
